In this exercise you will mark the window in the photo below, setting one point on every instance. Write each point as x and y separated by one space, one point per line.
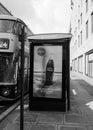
81 18
6 26
76 45
81 37
81 3
76 30
78 40
80 64
78 9
86 6
92 22
79 24
8 68
87 29
17 28
74 64
89 65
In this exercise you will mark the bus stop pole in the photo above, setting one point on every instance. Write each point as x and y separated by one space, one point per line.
22 82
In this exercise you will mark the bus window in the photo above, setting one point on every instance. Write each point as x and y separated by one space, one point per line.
17 28
6 26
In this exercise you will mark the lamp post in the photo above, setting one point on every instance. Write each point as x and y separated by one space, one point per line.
22 82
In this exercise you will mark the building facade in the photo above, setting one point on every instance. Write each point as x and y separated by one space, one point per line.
3 10
82 38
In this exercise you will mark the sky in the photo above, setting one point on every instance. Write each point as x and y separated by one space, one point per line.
42 16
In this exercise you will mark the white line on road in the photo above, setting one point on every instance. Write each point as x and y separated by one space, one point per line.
25 107
90 105
74 92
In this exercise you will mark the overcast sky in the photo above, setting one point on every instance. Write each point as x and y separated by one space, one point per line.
42 16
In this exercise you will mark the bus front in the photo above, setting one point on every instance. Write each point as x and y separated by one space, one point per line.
9 57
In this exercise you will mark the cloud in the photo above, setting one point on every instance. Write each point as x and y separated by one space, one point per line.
51 15
42 15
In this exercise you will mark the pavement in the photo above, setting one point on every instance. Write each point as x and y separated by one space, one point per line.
79 117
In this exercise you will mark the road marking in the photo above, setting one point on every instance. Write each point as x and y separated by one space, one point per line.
74 92
25 107
90 105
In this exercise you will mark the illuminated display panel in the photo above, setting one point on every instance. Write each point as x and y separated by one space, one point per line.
4 43
47 71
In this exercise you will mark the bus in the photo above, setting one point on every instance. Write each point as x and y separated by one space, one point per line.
10 57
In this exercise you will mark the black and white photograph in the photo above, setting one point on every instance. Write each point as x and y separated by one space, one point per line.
46 64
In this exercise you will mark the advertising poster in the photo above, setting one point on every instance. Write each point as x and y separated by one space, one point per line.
47 77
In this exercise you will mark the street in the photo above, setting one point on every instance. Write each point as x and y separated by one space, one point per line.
82 91
80 116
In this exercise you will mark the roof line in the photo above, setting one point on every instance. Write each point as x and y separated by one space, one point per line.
5 9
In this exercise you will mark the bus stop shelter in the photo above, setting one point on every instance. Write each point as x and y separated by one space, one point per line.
49 86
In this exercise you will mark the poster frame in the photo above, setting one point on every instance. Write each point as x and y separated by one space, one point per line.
51 104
